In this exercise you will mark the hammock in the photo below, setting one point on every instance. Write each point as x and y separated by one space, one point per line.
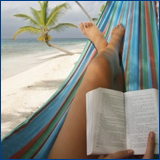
35 137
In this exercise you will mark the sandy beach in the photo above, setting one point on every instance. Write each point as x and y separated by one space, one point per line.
26 92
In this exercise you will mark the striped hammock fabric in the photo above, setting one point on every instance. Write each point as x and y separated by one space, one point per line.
35 137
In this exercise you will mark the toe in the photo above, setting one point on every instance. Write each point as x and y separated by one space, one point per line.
87 24
90 24
121 27
82 27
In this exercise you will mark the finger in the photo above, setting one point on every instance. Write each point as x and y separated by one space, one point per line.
120 155
102 156
150 146
138 157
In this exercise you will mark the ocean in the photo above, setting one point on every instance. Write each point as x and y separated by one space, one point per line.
22 54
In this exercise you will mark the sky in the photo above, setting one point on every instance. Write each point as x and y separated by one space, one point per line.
10 24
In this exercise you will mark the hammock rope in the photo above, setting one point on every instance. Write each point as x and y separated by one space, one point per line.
84 11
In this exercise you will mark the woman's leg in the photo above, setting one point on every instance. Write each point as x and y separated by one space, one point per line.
71 141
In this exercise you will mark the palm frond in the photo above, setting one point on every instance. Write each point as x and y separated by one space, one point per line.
44 8
62 26
27 29
26 17
102 7
37 16
56 13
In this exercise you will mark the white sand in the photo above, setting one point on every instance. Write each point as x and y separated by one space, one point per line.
26 92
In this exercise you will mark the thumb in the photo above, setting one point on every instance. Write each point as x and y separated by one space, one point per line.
150 146
120 154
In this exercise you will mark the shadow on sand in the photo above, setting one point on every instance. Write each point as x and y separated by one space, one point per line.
50 84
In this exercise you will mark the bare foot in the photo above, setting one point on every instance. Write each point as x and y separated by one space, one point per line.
116 39
116 43
91 31
117 35
118 32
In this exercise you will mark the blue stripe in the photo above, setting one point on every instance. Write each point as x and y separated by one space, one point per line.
134 51
126 38
43 153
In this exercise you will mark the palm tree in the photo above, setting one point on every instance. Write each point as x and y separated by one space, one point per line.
42 22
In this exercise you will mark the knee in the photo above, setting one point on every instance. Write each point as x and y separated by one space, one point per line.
99 68
100 64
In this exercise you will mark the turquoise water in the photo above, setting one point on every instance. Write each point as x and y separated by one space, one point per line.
27 46
23 54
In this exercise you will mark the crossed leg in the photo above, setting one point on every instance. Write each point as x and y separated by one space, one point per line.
101 72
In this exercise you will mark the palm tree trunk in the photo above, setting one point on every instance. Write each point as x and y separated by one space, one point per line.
59 48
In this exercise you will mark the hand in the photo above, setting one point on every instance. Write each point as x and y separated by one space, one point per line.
119 155
129 153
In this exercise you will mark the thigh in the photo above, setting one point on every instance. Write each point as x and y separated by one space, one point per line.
71 141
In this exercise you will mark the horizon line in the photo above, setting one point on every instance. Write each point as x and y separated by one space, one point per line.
51 40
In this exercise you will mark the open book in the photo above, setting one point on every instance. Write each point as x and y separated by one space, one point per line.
117 121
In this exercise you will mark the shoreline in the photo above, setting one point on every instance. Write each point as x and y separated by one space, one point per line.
19 60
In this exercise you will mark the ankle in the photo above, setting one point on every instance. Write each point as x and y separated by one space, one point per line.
113 60
100 44
115 43
113 48
102 50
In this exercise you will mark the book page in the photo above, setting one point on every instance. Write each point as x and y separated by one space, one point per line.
141 118
109 124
